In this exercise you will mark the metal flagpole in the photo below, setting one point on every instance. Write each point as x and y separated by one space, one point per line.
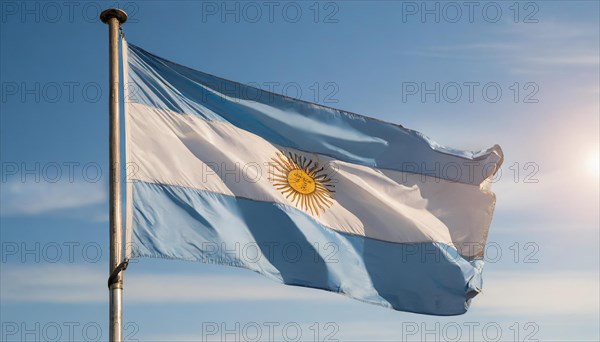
114 18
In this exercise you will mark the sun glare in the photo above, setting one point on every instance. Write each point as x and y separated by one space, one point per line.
593 164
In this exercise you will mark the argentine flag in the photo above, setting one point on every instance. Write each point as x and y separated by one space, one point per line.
307 195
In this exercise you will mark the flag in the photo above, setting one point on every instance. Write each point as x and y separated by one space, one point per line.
225 173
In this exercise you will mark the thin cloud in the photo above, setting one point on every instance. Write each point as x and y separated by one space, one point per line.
58 283
537 46
551 293
504 292
34 198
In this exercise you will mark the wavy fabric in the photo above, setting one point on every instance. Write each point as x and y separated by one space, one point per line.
304 194
288 246
301 125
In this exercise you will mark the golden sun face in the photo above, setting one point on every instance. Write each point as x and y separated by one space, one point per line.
304 182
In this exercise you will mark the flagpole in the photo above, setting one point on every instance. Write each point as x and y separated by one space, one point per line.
114 18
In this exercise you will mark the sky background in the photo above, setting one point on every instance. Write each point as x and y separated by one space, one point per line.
541 280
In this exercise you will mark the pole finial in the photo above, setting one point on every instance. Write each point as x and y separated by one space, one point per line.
110 13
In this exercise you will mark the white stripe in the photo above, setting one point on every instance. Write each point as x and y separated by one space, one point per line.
177 149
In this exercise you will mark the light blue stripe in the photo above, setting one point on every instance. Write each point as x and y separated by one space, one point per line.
287 245
301 125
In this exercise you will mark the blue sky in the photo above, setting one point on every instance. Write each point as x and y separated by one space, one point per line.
542 276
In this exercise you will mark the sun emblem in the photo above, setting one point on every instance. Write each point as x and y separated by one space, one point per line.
303 181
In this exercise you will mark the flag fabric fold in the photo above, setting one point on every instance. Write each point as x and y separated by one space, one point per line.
225 173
